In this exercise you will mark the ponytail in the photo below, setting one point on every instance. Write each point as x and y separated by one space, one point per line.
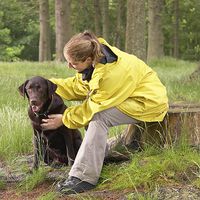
82 46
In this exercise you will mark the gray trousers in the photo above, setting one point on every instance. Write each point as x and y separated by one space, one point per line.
89 160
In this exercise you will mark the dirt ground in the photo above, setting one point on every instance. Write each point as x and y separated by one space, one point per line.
12 176
11 193
165 193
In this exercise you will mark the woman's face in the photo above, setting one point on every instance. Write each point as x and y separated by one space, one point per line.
79 65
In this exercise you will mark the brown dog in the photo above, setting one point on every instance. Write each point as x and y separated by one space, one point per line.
54 147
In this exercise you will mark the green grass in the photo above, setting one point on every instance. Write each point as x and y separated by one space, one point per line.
148 169
15 132
2 185
32 180
174 74
153 167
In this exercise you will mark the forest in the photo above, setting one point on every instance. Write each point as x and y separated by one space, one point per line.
37 30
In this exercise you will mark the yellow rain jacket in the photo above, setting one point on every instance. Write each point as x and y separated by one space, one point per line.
128 84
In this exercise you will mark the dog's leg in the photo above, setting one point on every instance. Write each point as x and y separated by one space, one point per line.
37 149
36 152
46 152
69 148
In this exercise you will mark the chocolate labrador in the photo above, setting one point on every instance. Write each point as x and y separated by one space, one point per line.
54 147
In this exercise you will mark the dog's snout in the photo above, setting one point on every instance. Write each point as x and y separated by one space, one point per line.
33 102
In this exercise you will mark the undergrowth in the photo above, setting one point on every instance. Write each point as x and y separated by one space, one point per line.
153 167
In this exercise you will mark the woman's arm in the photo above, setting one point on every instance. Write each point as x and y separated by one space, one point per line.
72 88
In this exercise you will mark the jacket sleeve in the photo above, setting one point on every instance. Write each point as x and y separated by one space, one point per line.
99 99
72 88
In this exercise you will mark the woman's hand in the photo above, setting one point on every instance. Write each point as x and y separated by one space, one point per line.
53 122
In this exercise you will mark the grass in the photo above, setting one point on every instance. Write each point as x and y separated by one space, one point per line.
173 74
32 180
148 169
2 185
153 167
48 196
15 132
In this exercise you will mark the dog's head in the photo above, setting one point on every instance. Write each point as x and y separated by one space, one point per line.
38 90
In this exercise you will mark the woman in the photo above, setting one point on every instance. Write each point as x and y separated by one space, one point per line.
116 88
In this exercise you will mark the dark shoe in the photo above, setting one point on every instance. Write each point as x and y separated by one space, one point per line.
73 185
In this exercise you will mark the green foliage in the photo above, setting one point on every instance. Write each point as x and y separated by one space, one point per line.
189 38
82 16
7 51
20 19
189 30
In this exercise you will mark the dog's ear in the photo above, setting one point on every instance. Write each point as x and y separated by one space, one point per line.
51 88
22 88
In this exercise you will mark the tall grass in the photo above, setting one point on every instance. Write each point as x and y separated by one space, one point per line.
15 135
146 167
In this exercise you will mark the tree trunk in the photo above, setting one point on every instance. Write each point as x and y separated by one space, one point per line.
97 18
63 26
176 28
155 33
181 125
135 28
105 18
44 42
119 23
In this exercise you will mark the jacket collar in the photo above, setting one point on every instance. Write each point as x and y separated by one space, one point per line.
109 57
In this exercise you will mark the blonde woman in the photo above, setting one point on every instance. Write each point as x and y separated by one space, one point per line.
114 88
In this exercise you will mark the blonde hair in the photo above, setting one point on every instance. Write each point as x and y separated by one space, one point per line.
83 45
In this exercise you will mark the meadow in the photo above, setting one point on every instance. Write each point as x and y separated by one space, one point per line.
16 131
